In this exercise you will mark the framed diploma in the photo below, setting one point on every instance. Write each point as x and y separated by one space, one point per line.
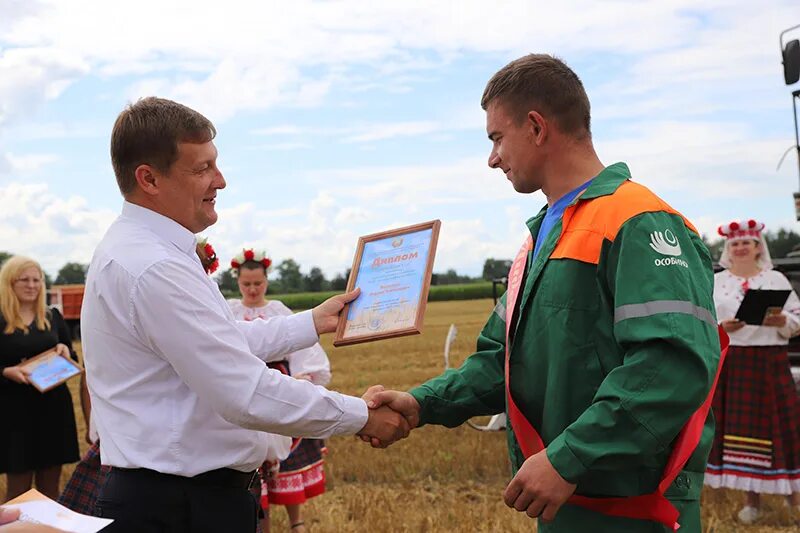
393 270
49 370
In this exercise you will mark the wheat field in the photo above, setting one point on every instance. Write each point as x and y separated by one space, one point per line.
437 480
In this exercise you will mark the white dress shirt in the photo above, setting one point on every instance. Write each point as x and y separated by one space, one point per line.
729 293
312 361
174 384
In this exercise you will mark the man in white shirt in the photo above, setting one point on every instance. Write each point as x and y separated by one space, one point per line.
180 393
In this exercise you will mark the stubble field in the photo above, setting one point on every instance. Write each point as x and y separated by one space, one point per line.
437 480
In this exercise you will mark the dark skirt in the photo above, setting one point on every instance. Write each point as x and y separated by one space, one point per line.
757 442
38 429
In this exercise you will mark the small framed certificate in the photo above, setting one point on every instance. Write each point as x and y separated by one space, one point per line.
49 370
393 270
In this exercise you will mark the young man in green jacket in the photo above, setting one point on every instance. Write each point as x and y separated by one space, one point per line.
611 343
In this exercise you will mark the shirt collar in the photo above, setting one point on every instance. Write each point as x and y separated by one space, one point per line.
605 183
162 226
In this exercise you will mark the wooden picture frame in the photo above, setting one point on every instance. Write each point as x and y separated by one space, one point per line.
48 370
393 269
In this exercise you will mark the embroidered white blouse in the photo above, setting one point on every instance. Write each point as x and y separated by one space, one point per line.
312 361
728 295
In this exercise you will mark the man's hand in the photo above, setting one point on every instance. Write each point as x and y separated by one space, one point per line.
731 325
62 350
326 314
384 427
400 402
17 374
538 489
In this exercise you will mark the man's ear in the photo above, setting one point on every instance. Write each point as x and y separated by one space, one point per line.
538 127
147 179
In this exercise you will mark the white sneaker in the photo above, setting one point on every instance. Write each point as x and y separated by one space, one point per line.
748 514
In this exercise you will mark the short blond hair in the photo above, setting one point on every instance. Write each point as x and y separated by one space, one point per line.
9 303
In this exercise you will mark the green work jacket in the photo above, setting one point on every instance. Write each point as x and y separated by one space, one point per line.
615 345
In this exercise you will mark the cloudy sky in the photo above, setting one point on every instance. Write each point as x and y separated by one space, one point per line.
342 118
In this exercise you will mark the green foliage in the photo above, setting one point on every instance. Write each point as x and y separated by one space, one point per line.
465 291
315 281
496 268
450 277
72 273
307 300
782 242
714 247
289 276
303 300
339 283
227 282
4 256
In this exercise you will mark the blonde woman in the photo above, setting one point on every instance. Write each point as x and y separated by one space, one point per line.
39 432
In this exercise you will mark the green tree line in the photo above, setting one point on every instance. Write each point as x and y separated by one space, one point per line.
287 277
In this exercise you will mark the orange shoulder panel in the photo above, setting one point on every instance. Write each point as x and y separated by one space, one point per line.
587 224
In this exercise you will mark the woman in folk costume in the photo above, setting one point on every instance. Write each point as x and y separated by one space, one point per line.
302 475
757 443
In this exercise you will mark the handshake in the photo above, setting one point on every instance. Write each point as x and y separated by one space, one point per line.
392 416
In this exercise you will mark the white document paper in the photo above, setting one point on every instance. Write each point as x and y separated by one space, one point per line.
37 508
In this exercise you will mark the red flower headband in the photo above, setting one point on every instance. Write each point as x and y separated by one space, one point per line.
745 229
251 255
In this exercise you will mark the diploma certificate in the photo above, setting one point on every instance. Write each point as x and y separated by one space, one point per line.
49 370
393 270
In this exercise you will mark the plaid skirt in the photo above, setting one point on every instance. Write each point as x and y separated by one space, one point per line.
82 488
757 442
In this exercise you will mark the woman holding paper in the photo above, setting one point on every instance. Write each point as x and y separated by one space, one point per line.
39 432
757 443
301 475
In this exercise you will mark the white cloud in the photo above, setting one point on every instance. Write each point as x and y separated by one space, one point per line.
52 230
667 72
281 147
712 160
30 162
365 132
263 55
380 132
30 76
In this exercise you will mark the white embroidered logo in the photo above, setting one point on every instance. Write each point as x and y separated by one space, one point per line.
665 243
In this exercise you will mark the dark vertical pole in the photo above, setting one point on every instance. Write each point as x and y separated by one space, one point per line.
795 96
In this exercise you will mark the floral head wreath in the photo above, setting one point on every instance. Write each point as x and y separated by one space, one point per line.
745 229
751 230
249 254
208 257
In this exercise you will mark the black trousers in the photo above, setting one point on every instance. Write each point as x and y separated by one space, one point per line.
144 501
